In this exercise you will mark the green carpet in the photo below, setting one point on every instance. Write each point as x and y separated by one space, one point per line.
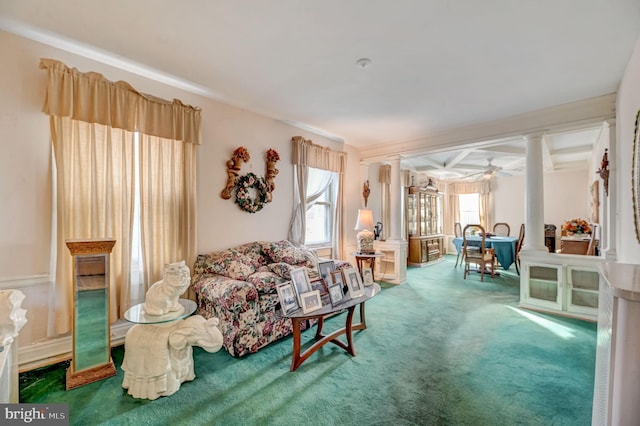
439 350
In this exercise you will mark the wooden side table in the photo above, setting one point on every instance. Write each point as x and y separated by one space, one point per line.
361 258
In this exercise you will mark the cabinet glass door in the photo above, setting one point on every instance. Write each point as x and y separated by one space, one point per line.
543 286
583 290
423 214
412 213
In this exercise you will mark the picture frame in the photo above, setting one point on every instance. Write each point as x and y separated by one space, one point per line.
311 301
337 278
325 268
367 276
288 297
354 282
336 294
320 285
301 282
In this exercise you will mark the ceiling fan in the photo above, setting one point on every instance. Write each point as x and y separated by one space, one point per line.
489 171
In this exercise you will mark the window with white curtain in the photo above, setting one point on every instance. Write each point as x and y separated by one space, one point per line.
321 195
469 209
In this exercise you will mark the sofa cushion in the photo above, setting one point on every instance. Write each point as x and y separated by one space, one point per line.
284 251
239 268
283 270
254 253
265 281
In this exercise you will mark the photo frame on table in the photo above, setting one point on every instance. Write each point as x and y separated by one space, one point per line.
354 282
320 285
311 301
288 298
301 282
325 268
367 276
336 294
337 278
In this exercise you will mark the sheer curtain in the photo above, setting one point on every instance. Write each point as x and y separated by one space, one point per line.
94 124
482 188
306 154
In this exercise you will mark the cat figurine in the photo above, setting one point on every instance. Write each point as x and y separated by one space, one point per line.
162 297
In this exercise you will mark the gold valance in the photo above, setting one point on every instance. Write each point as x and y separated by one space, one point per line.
479 187
91 98
306 153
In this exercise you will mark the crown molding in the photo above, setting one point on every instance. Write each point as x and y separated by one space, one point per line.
587 113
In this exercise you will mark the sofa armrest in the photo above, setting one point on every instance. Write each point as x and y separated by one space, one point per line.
226 293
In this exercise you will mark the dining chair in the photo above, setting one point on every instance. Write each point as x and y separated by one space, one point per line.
478 255
502 229
518 247
457 229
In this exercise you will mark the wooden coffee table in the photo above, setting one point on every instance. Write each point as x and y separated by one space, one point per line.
327 310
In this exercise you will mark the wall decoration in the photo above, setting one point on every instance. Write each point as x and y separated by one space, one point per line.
604 172
240 155
635 176
272 172
366 191
252 192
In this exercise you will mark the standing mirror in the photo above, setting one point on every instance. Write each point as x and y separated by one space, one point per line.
91 353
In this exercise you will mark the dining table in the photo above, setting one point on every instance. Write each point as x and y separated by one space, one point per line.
504 247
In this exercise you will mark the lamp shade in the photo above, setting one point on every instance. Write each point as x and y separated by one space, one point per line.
365 220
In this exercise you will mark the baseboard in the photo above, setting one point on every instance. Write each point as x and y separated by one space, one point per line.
55 350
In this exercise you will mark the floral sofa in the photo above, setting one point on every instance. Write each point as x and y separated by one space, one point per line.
238 286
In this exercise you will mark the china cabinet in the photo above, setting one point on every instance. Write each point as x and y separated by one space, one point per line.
424 226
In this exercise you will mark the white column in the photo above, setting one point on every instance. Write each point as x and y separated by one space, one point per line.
610 210
395 228
534 195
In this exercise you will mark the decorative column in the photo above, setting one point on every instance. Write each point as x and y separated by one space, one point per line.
396 200
392 268
534 195
610 210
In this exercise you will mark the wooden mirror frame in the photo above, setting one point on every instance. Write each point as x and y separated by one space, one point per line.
90 361
635 176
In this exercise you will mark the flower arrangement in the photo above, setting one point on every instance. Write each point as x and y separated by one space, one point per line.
241 152
272 155
576 226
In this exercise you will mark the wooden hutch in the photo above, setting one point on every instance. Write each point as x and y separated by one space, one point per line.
424 225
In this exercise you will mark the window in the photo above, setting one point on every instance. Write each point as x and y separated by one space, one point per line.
469 209
320 214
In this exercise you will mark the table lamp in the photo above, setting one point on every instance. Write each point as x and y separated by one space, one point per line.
364 224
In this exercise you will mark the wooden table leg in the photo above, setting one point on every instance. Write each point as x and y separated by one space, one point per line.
298 358
295 359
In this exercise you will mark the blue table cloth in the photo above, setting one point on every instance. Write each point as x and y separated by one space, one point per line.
505 247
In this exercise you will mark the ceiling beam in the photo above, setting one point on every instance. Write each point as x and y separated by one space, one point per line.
461 156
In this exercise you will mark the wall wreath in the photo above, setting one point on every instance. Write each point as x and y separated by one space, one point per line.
251 193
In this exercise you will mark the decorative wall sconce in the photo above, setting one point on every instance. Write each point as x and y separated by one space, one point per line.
603 171
365 192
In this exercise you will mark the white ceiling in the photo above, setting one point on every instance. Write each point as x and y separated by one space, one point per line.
435 65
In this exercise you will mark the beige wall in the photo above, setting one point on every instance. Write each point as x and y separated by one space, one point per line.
627 108
25 183
565 197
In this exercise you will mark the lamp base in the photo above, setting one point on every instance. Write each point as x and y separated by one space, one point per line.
365 242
